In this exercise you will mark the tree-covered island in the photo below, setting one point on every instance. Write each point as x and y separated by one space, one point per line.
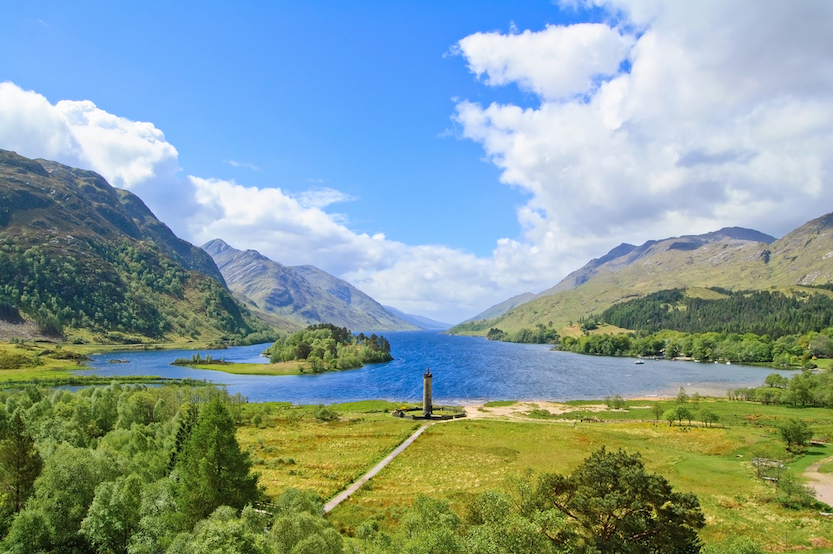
318 348
326 347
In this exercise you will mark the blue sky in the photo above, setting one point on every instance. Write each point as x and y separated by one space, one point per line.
442 156
357 95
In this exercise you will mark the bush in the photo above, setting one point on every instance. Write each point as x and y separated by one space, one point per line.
323 413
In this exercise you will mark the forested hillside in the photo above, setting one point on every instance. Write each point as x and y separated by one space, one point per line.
86 261
773 313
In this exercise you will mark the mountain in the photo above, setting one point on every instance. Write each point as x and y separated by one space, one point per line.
301 295
731 258
420 321
499 309
80 256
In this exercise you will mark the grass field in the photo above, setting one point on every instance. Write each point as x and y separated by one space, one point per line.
283 368
291 448
37 361
458 459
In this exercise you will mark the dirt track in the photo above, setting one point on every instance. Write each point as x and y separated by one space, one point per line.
821 482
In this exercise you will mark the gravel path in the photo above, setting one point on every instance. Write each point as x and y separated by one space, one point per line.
822 483
345 494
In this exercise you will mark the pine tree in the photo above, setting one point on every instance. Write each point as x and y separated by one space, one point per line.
212 469
188 415
20 463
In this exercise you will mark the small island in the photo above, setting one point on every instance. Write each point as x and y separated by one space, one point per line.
318 348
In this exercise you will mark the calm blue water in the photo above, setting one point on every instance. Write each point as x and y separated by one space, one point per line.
466 370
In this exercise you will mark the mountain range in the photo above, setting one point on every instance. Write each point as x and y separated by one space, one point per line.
80 256
294 297
732 258
91 262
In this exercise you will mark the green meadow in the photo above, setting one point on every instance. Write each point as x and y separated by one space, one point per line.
456 460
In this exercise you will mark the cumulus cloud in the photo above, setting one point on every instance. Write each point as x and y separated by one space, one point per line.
710 114
293 229
671 118
555 63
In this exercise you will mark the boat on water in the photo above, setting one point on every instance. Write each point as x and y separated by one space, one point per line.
639 362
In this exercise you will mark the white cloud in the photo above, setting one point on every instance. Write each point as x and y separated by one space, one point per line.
321 197
555 63
246 165
725 118
293 229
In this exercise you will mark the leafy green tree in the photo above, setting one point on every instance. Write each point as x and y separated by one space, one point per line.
682 397
615 506
657 410
792 494
212 469
20 463
114 515
63 494
496 526
795 433
224 532
708 417
28 535
695 399
305 533
776 380
678 413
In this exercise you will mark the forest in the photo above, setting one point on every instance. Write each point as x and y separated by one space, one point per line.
132 469
541 334
327 347
120 291
786 351
770 313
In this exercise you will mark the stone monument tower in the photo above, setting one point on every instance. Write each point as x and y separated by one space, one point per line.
427 406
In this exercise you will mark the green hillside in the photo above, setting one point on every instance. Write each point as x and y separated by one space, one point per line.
90 262
728 260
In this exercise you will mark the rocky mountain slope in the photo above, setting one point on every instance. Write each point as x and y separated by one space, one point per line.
81 257
732 258
302 295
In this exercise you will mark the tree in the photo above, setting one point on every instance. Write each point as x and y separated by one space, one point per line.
657 410
678 413
776 380
614 505
225 532
20 463
212 469
795 433
62 497
114 515
695 399
682 397
187 418
708 417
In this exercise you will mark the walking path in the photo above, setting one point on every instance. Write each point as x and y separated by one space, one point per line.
343 495
821 482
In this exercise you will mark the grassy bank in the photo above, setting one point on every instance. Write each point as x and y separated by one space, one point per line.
283 368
